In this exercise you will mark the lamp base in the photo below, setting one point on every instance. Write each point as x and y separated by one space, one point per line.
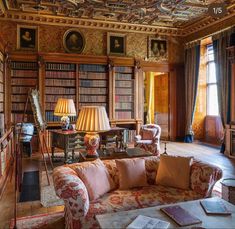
91 141
65 123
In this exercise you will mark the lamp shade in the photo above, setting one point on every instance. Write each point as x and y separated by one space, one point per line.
65 107
92 119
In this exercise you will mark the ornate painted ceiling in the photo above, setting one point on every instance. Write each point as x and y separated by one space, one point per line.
171 17
172 13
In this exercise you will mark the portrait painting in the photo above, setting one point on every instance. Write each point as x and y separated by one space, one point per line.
27 37
157 48
73 41
116 44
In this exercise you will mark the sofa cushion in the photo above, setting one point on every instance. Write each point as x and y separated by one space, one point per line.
131 173
95 177
148 134
174 171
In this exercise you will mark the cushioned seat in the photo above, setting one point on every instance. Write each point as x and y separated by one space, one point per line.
80 211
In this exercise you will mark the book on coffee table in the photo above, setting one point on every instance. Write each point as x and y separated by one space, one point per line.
214 207
145 222
180 215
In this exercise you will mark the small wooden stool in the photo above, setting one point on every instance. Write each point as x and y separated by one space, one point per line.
228 190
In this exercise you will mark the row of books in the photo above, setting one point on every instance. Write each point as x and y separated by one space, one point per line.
24 65
93 98
1 96
81 104
54 98
123 69
93 75
1 87
92 68
1 66
1 106
50 117
60 82
19 90
97 90
93 83
129 135
60 90
18 106
123 106
125 91
18 98
121 76
123 98
1 77
123 114
60 74
59 66
24 73
18 117
28 82
124 83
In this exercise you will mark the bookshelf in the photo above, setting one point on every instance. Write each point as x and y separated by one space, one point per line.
60 82
24 76
2 129
93 85
124 93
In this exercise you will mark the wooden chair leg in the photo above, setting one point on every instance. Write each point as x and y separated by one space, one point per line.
44 160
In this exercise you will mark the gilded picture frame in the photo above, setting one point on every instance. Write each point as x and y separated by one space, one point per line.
116 44
157 48
73 41
27 37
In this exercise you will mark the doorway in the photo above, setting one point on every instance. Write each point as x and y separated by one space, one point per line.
156 101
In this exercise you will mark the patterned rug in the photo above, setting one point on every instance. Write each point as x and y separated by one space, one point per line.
48 195
42 221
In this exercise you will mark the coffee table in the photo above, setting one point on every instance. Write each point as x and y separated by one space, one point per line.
111 154
121 219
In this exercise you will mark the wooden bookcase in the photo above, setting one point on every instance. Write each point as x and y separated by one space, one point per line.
113 82
24 76
124 93
60 82
2 126
93 85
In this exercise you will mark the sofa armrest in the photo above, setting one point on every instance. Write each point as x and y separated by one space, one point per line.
137 138
69 187
203 177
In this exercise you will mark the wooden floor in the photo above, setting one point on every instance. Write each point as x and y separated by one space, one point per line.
202 152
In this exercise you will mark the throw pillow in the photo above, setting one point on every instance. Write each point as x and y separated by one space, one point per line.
131 173
174 171
95 177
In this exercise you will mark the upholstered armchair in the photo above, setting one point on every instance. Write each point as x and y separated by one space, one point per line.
149 138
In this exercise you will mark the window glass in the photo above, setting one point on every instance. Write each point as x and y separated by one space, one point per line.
212 100
211 77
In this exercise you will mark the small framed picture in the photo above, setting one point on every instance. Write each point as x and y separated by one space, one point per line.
27 37
157 48
73 41
116 44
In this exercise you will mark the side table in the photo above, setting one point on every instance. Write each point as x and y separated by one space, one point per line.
228 190
67 140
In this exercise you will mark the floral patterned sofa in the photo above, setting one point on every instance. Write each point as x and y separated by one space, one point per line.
80 212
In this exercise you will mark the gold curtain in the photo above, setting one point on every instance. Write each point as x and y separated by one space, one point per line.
150 96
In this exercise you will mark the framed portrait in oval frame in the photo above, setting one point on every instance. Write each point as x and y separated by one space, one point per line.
73 41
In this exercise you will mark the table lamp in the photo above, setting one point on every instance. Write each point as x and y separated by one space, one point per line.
92 120
65 108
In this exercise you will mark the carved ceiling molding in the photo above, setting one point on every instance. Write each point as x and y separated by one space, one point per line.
89 23
208 21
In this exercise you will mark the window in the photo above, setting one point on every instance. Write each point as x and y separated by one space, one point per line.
212 95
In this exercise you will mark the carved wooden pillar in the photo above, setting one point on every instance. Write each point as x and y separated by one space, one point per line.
111 89
231 56
7 89
139 95
41 80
